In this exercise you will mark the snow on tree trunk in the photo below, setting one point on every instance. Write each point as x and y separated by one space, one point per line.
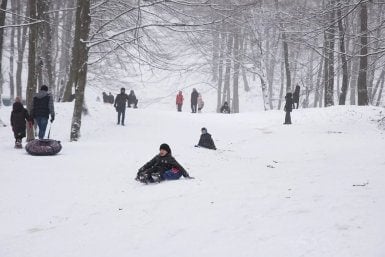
362 74
80 49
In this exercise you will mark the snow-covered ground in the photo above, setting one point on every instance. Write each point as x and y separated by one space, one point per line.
312 189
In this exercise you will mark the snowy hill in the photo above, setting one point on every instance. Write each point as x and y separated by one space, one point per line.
314 189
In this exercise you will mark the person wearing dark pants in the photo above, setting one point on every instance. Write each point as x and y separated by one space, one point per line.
132 100
296 96
120 105
42 107
288 108
194 100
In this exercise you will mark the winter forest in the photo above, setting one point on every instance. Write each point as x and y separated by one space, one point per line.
192 128
332 49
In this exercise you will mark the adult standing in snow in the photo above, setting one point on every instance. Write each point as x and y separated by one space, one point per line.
225 108
194 100
179 101
296 96
200 103
42 107
288 107
132 100
163 167
19 117
120 104
206 140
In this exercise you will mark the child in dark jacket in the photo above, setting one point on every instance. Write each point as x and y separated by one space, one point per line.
206 140
162 167
19 117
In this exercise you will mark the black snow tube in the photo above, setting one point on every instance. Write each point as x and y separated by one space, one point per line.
43 147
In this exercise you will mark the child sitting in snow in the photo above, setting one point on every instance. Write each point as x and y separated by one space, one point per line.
162 167
206 140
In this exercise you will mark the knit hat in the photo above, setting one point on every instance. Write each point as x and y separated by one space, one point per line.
44 88
165 147
204 130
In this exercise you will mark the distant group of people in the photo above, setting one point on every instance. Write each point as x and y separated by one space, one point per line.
292 101
197 102
108 98
121 101
42 109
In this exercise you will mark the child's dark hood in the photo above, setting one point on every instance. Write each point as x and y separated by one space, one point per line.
18 107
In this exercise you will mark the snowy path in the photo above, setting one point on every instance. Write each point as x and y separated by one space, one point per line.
312 189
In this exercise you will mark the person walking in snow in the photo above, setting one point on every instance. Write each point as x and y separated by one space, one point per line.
225 108
194 100
120 105
42 107
132 100
179 101
200 103
206 140
19 117
296 96
162 167
288 107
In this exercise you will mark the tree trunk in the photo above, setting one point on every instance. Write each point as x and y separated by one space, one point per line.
329 60
243 53
21 42
80 48
3 6
220 70
235 103
380 92
65 53
31 84
215 50
380 78
341 30
282 85
287 65
226 89
317 93
362 74
12 53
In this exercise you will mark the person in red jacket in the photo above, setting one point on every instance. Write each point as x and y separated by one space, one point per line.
179 101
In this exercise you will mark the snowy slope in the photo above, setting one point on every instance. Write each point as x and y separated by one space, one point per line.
312 189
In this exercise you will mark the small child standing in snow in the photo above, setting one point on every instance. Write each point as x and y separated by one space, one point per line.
19 116
163 167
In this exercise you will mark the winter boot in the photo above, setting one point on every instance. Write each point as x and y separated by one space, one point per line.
18 144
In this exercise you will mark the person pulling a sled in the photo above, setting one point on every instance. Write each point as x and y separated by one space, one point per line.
206 140
162 167
42 108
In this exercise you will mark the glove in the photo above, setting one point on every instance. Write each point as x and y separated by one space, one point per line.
190 177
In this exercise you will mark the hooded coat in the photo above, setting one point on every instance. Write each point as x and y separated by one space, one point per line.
42 105
19 116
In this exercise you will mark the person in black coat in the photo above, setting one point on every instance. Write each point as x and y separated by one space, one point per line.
132 100
206 140
120 104
296 96
42 108
163 167
194 100
288 108
19 117
225 108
